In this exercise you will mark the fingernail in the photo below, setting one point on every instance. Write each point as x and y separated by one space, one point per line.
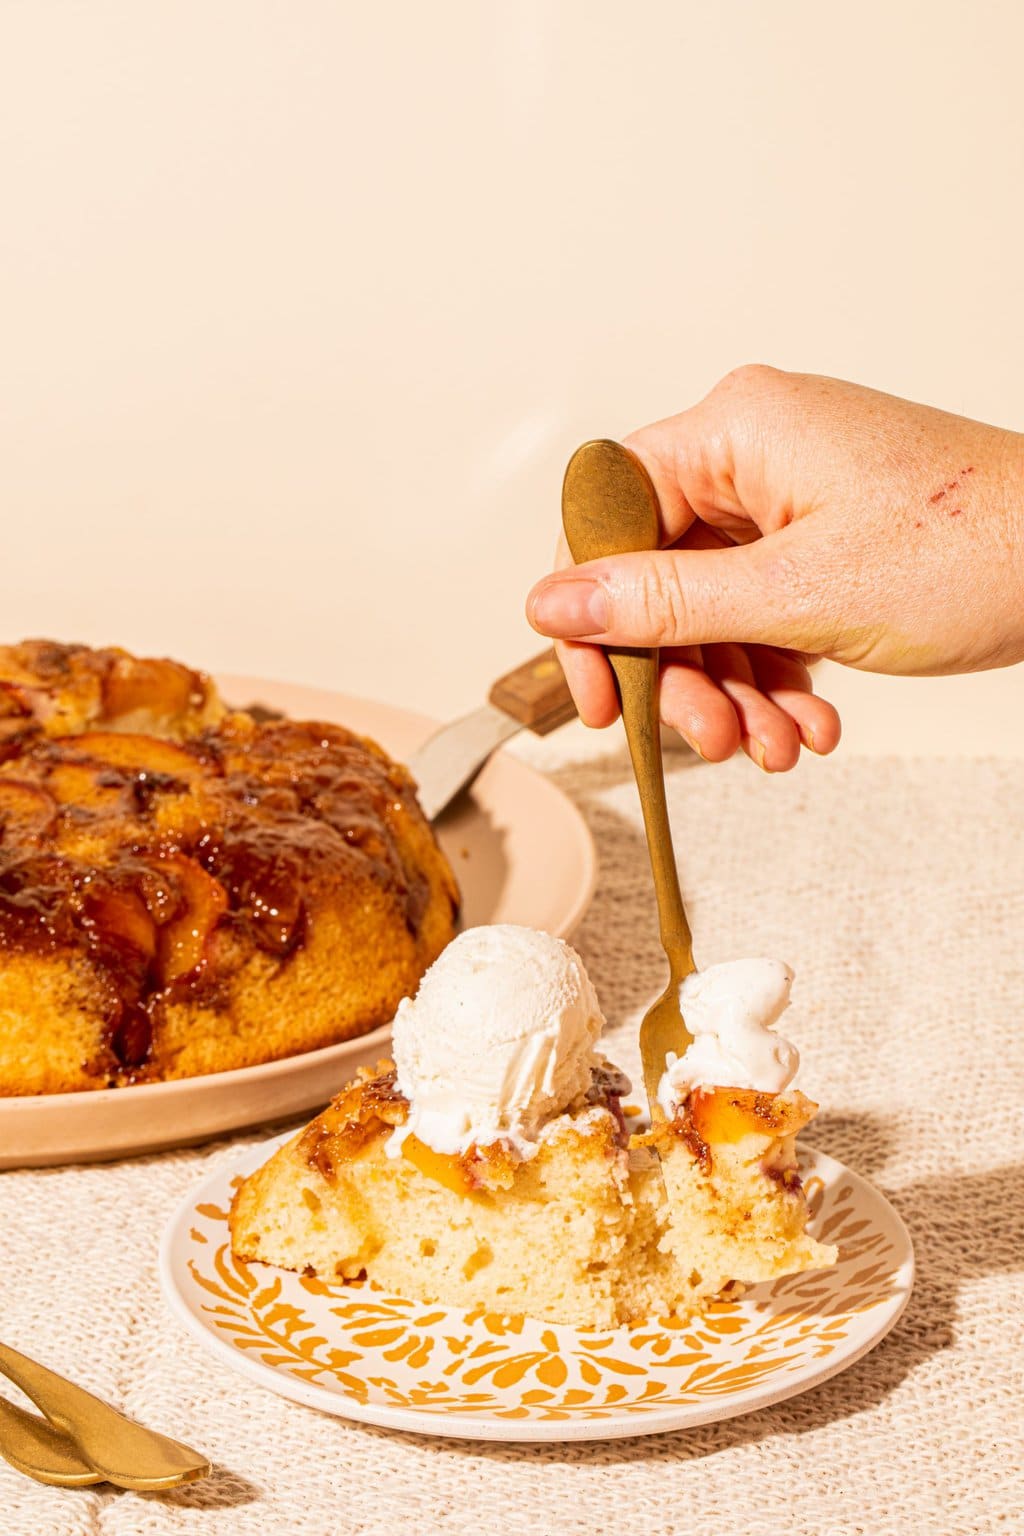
807 737
568 608
759 752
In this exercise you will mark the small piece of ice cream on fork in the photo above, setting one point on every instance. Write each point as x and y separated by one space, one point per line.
730 1010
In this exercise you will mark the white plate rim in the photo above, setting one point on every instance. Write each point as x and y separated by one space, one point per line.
465 1427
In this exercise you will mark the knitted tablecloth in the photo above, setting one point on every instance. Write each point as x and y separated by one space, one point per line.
896 890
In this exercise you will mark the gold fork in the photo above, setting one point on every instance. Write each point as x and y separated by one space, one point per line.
610 507
82 1439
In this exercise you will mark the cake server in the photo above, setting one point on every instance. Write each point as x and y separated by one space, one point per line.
610 507
115 1448
534 696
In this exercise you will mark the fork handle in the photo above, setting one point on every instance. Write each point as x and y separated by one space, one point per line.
636 675
610 507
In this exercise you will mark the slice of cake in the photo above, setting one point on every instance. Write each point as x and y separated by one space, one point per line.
728 1142
492 1166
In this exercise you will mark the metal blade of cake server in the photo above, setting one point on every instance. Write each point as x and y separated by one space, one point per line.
454 755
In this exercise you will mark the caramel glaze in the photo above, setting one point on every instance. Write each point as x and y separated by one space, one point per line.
787 1178
372 1106
156 860
364 1110
683 1128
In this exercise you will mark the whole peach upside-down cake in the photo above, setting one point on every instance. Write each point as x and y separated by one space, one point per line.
186 888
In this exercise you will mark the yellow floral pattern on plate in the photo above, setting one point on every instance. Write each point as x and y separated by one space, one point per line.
383 1357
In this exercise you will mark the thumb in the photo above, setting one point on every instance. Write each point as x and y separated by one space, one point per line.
762 593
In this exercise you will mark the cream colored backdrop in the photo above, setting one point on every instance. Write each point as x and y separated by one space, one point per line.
304 305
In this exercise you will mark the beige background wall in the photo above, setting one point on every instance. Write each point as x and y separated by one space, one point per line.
303 306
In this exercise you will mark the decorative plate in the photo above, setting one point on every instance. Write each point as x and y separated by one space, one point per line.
363 1354
521 852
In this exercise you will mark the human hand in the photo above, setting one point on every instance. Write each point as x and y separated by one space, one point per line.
802 517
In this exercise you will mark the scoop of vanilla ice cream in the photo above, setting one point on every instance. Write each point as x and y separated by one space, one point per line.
498 1039
729 1010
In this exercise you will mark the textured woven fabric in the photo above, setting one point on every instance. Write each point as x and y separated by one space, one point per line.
896 890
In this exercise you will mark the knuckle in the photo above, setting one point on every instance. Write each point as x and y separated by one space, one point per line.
662 602
749 379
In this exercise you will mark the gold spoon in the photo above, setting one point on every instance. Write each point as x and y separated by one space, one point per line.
610 507
116 1448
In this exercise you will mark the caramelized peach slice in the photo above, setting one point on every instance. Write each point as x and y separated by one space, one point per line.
202 900
160 688
140 753
449 1171
116 917
25 809
729 1114
14 729
78 784
16 718
14 699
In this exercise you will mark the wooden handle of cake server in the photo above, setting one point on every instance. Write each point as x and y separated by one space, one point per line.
536 694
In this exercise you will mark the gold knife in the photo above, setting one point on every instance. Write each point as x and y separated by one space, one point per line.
33 1446
116 1448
